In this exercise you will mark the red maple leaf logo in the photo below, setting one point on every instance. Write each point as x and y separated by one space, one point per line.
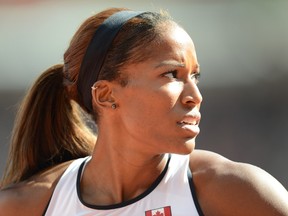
158 214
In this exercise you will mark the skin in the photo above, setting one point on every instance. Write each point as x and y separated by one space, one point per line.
161 93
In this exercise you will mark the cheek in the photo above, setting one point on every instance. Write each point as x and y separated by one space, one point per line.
172 92
162 98
158 105
147 105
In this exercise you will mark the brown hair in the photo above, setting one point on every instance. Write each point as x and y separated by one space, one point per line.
49 127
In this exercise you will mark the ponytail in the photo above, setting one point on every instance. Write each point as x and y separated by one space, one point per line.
48 129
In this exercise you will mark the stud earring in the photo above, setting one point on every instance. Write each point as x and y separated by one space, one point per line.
113 106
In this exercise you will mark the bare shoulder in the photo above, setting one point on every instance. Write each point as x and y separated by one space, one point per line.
31 195
225 187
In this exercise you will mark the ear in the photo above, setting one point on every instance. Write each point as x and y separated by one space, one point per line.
102 94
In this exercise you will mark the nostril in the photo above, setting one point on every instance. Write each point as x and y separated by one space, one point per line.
188 99
192 100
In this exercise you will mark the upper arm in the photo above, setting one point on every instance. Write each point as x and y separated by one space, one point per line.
229 188
249 190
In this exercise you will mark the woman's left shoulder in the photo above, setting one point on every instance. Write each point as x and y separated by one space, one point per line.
232 188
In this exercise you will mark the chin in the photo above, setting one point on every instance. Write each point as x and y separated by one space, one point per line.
189 149
186 148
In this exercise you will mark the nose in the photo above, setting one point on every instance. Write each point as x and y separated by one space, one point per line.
191 94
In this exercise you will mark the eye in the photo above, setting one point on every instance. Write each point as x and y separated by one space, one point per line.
171 74
196 77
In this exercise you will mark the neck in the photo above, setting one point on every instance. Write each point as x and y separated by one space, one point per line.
116 173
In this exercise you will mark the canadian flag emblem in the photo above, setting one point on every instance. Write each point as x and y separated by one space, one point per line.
164 211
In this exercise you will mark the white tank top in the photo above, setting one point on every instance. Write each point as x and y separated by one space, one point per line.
172 194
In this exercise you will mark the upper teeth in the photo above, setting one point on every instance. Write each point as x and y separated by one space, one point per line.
190 123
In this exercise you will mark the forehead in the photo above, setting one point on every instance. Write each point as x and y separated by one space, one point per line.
166 36
173 38
173 44
172 31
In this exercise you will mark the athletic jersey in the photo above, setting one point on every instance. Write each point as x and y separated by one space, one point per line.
172 194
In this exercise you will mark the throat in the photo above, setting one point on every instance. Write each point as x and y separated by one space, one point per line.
104 187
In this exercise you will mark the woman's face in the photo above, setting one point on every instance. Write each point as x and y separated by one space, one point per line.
160 105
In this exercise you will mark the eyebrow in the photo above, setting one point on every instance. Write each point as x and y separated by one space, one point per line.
175 64
170 63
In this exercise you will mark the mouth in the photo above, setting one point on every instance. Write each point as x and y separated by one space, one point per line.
192 119
194 122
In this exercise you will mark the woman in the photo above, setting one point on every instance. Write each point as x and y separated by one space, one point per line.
136 74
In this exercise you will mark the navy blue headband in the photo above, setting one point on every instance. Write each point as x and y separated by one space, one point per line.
96 53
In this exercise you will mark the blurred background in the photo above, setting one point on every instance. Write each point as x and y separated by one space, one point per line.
242 47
